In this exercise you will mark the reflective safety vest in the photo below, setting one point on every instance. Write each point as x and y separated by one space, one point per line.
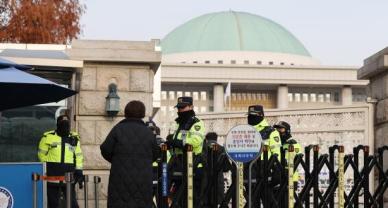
62 154
270 137
192 133
298 150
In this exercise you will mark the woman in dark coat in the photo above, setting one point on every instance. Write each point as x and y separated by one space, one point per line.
130 147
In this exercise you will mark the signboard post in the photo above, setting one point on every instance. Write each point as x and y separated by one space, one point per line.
242 144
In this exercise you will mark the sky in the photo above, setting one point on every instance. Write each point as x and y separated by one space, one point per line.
340 33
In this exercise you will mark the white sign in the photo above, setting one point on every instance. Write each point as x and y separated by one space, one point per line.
243 143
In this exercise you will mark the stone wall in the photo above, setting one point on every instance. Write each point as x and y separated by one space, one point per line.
376 70
129 65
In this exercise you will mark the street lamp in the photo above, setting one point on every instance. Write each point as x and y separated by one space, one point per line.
112 101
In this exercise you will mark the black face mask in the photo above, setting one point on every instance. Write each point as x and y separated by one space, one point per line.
284 137
254 120
63 128
184 116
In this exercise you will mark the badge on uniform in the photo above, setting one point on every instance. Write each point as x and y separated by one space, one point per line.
276 139
197 128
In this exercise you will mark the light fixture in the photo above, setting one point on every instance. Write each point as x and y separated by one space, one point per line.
112 101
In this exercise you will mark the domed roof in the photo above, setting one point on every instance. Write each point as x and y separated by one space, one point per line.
232 31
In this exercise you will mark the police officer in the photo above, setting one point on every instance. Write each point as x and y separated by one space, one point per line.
271 138
189 130
284 129
269 134
61 150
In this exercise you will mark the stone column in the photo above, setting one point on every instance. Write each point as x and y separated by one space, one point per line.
282 97
218 97
376 70
346 96
129 65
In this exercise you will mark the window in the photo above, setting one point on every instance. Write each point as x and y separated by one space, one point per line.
282 63
203 95
179 94
246 62
328 97
195 96
171 95
233 61
188 94
258 62
290 97
195 62
297 97
220 62
321 98
305 97
336 97
163 95
207 62
270 63
313 97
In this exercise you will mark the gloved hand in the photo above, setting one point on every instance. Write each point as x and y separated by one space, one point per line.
177 143
79 178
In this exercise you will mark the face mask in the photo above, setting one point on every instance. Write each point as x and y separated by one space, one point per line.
63 128
284 137
254 120
184 116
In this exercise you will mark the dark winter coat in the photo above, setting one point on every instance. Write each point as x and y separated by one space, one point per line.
130 147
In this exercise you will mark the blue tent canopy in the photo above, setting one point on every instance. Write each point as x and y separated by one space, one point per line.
19 88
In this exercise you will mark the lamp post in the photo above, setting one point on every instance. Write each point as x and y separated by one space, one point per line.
112 101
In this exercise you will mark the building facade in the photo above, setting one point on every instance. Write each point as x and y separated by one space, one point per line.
229 60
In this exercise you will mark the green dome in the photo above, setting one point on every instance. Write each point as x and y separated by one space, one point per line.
232 31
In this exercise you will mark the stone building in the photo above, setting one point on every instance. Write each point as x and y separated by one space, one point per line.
375 69
88 67
263 62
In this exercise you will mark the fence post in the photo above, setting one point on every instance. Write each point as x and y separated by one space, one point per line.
69 180
366 176
189 168
355 173
380 200
341 178
97 181
163 191
315 175
291 156
307 173
214 176
35 179
265 176
86 191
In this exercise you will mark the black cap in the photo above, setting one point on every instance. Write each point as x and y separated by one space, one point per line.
283 124
256 110
184 101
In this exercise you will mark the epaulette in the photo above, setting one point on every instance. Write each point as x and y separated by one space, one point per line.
52 132
292 141
266 132
74 134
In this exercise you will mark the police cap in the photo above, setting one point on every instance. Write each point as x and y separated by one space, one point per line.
184 101
256 110
283 124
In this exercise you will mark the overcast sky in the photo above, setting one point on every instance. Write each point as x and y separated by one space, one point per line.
335 32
